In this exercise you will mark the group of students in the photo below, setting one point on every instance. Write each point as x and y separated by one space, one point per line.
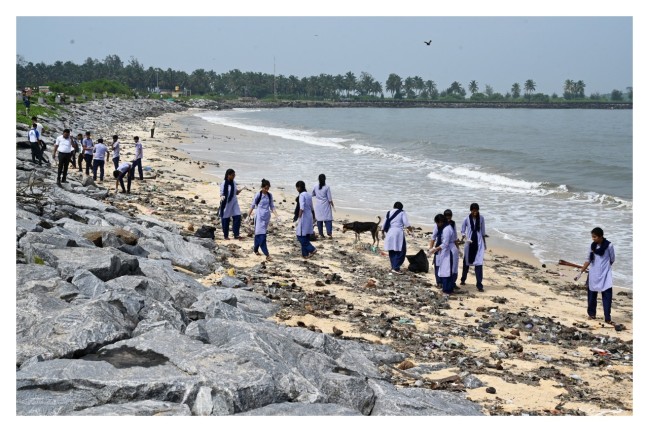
95 155
263 206
443 245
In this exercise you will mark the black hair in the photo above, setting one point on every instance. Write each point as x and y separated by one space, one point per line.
474 206
440 218
228 172
301 187
136 138
33 124
116 173
448 212
115 137
100 140
321 180
79 134
398 205
66 130
598 232
87 132
264 183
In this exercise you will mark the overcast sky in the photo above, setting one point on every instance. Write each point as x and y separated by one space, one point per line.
497 51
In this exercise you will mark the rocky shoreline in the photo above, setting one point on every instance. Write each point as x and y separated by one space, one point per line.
123 310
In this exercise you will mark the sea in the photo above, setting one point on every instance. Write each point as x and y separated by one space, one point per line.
543 178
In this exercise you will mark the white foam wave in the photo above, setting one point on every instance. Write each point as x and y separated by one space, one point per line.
305 136
365 149
474 179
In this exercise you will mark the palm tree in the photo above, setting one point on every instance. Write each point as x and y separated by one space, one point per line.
516 90
580 86
473 87
568 89
431 89
350 82
393 84
530 86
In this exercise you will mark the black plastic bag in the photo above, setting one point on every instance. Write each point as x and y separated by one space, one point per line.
418 262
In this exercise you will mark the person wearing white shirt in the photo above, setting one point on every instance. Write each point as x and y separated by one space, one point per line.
87 152
63 145
100 155
115 148
137 162
34 136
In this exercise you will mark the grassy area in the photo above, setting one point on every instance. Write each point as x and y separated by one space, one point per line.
34 110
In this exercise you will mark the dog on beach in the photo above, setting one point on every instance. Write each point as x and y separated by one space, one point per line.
361 227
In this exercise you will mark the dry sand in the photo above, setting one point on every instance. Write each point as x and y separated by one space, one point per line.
537 377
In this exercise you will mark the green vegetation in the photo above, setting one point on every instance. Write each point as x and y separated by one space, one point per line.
34 110
38 260
113 76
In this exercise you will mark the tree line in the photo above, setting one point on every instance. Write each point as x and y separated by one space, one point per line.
68 77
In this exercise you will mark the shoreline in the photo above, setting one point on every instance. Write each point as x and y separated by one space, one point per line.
497 242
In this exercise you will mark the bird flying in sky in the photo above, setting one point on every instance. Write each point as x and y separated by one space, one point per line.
428 42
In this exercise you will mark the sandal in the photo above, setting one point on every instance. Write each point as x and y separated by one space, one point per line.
591 317
610 322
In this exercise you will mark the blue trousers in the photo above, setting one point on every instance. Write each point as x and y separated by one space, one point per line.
398 257
88 159
328 225
307 247
236 224
260 242
116 162
96 163
478 274
138 163
607 301
438 281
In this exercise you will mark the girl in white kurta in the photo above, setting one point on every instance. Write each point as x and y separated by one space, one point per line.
474 230
304 222
395 240
230 205
600 259
263 203
323 205
446 251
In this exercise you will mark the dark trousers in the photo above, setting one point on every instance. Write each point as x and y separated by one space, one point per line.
607 301
129 175
305 243
152 130
260 242
438 280
478 274
36 153
88 159
116 162
398 257
225 224
138 163
80 162
64 161
327 224
73 158
96 163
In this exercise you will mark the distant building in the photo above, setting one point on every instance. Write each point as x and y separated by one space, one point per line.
44 89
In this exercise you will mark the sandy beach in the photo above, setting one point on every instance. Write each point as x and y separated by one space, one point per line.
526 338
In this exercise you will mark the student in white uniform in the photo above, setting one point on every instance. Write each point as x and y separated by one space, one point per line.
448 214
446 251
474 231
115 149
395 240
264 205
600 259
229 208
323 205
304 221
124 169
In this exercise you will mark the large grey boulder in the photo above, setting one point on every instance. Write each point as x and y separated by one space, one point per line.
184 254
61 196
137 408
391 401
301 409
55 329
89 285
105 263
40 402
184 290
38 278
141 285
251 302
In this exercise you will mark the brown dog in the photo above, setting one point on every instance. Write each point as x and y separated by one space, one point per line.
360 227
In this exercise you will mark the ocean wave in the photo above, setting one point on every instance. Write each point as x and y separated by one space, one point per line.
365 149
305 136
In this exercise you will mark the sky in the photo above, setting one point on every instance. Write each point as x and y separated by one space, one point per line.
496 51
496 43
